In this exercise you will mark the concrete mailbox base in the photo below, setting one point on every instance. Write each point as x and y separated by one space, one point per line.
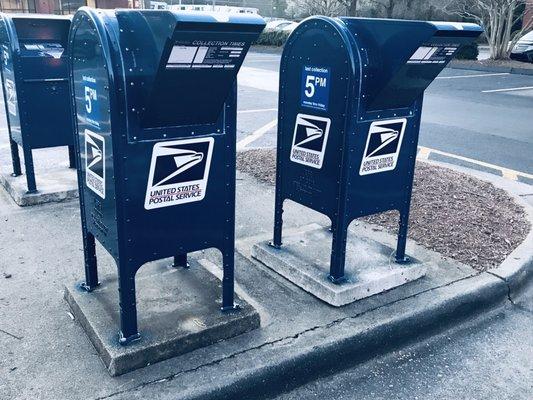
370 268
178 310
53 185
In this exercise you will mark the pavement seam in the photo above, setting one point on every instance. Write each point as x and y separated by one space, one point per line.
283 339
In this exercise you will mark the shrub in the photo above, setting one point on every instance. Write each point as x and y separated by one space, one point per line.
468 52
273 38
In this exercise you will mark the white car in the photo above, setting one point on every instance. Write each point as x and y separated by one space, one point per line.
523 50
278 25
290 27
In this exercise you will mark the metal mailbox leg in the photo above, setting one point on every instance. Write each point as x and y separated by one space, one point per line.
91 270
30 173
401 258
180 260
278 219
128 306
72 157
228 261
15 158
338 253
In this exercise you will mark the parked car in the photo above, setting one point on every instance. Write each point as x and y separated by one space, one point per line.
523 50
290 27
277 24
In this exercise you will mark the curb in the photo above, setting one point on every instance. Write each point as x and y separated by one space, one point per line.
448 305
282 365
489 68
344 344
517 269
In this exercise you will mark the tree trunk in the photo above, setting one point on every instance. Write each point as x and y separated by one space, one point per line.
389 8
352 8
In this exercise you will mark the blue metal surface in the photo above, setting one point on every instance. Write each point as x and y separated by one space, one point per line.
155 102
355 155
35 84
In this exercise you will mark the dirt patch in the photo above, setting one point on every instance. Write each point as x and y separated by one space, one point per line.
461 217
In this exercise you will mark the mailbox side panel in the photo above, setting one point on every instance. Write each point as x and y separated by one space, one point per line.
316 80
93 134
7 36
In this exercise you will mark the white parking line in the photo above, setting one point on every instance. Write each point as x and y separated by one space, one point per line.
507 90
508 173
256 134
256 110
472 76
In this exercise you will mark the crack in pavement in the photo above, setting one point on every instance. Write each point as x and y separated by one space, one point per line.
10 334
506 284
280 340
509 297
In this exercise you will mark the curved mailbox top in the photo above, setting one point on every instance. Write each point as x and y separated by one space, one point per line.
404 57
178 67
394 61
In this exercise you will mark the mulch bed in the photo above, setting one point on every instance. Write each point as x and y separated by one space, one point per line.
461 217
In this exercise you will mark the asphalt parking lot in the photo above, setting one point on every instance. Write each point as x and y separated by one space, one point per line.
476 119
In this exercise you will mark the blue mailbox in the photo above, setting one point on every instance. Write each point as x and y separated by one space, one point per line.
155 101
36 87
350 101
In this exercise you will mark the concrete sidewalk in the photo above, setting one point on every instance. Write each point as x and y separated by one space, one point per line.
46 354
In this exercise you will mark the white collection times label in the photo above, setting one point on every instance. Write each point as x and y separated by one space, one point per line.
205 54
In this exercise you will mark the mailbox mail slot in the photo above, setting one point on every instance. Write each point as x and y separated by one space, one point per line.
350 101
36 88
155 100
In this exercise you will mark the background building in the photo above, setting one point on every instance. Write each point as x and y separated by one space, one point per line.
528 14
57 6
267 8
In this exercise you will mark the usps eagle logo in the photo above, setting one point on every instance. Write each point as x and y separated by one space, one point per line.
95 162
179 172
309 140
383 146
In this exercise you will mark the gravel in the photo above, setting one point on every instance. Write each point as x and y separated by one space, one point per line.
459 216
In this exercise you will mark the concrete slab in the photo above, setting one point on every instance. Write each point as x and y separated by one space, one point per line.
304 260
178 311
53 185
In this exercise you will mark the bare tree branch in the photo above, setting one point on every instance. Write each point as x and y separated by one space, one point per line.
498 17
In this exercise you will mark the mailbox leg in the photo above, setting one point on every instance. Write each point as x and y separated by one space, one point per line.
278 221
338 253
228 259
30 173
128 306
15 158
91 270
71 157
401 258
180 260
